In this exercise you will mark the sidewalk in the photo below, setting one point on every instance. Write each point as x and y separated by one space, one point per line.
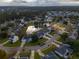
18 52
5 42
40 53
55 44
46 37
32 54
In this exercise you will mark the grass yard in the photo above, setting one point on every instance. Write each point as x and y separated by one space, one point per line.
49 49
40 41
59 39
74 56
37 56
52 33
16 44
3 40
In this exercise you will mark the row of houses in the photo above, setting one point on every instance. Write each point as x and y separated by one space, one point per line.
36 36
64 51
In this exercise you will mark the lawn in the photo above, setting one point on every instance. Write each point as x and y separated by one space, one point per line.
74 56
49 49
37 56
38 42
30 23
59 39
3 40
16 44
52 33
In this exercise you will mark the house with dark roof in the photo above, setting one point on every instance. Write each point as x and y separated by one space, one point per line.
42 32
13 38
63 51
26 39
50 55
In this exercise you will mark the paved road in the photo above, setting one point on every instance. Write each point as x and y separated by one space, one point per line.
48 43
18 52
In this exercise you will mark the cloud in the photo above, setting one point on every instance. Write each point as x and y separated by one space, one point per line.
43 3
5 0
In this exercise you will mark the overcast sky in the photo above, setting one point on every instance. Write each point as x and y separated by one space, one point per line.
12 0
54 2
35 0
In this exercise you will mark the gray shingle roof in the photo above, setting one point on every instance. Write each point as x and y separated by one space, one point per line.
50 56
63 49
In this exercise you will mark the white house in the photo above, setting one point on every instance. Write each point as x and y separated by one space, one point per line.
32 29
14 39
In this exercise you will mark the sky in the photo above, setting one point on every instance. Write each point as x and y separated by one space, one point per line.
12 0
35 0
41 3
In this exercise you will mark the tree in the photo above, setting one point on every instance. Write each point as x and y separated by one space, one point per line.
4 32
64 36
75 46
3 55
